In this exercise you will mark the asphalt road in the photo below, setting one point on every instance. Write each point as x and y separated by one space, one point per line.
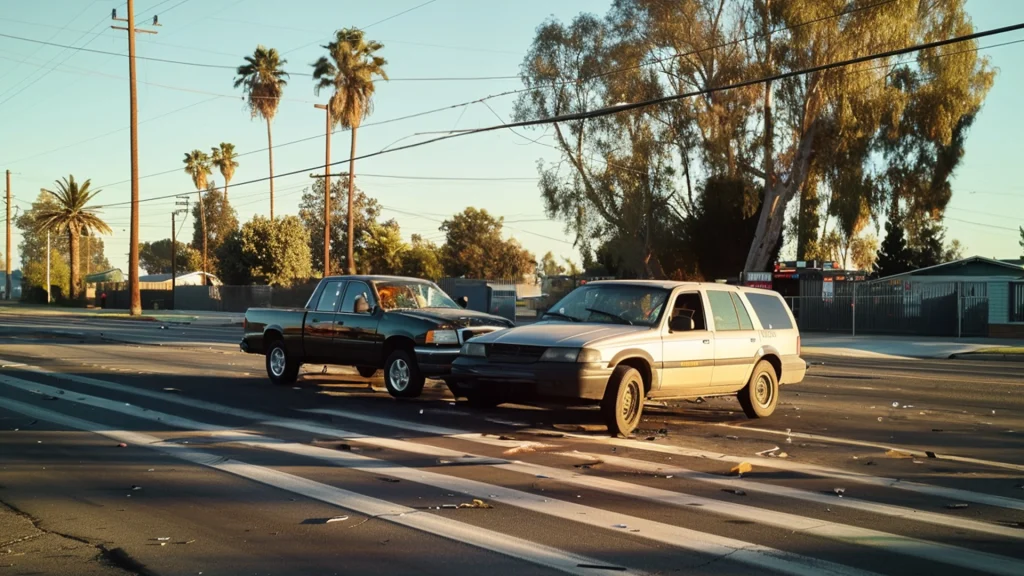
223 473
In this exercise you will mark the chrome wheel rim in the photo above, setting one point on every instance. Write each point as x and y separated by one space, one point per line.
631 401
763 390
399 375
277 362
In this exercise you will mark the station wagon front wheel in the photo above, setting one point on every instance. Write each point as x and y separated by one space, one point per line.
623 402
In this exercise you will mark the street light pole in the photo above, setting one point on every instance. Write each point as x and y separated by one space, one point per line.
135 308
47 266
327 190
7 262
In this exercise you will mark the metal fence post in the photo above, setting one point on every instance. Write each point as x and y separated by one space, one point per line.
853 308
959 310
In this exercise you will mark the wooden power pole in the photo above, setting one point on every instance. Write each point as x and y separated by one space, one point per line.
135 308
7 262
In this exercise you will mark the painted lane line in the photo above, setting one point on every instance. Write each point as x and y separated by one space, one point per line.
955 494
440 526
916 452
679 537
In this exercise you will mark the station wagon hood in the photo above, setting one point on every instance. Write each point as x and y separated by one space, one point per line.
560 334
458 317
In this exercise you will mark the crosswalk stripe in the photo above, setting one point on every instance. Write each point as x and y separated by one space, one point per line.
954 494
680 472
483 538
704 543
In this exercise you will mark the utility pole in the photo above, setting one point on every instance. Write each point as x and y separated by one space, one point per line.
135 308
47 266
327 190
7 262
174 247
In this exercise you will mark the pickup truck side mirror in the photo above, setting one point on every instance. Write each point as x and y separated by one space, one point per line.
361 305
463 301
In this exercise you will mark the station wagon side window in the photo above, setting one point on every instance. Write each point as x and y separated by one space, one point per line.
330 297
770 310
723 311
741 312
688 306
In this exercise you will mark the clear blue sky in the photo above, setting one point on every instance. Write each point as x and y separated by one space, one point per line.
64 112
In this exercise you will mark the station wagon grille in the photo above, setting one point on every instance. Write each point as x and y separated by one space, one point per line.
515 354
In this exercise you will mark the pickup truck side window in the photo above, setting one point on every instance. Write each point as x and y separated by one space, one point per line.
741 311
355 290
330 297
723 311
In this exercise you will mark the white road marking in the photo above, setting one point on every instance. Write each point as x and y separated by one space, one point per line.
800 467
917 452
483 538
703 543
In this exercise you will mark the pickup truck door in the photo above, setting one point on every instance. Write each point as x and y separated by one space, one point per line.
318 329
736 341
356 341
688 353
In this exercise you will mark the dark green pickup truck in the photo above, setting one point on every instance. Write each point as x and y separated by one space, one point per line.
408 327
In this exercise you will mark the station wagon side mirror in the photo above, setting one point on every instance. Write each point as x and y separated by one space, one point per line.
463 301
361 305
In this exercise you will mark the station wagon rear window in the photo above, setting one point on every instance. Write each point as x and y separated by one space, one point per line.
771 310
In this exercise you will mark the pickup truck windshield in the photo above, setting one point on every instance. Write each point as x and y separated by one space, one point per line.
611 304
395 295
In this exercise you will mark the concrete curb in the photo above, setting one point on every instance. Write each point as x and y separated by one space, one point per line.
988 357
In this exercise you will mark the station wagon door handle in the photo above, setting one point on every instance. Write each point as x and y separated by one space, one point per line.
753 339
707 341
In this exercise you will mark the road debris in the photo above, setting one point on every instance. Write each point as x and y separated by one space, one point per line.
735 491
527 448
136 487
741 469
893 453
169 389
122 445
476 503
623 526
389 480
958 506
731 437
336 519
766 452
321 520
839 491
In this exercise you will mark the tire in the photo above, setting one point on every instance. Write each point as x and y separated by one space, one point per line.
281 368
483 399
623 402
761 394
367 371
402 376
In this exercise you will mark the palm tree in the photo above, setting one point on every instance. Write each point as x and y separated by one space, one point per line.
223 158
349 70
197 165
71 214
262 79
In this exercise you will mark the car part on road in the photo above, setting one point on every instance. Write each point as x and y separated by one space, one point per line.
623 401
761 394
281 369
402 376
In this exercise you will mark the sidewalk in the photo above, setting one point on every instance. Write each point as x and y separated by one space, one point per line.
899 347
194 317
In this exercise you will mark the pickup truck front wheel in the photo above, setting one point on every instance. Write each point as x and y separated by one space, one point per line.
282 369
402 376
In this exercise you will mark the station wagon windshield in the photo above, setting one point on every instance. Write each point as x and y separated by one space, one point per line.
610 304
398 295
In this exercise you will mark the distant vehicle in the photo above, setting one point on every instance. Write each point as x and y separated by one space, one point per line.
408 327
621 342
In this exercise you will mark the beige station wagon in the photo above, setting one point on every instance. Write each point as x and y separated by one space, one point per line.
621 342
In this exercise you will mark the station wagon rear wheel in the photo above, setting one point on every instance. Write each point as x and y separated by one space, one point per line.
761 394
623 402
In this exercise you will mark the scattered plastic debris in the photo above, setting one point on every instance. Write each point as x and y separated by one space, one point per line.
163 539
839 491
476 503
543 477
735 491
956 506
741 469
136 487
169 389
731 437
389 480
421 411
879 418
892 453
623 526
527 447
895 404
766 452
122 445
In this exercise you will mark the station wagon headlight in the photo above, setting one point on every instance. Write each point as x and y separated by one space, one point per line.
570 355
442 337
471 349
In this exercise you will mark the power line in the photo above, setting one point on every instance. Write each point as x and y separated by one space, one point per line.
606 111
418 6
985 224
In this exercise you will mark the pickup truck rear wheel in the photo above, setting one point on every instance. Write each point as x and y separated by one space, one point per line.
761 394
623 401
282 369
402 376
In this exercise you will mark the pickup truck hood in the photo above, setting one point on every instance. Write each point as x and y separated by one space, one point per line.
569 335
458 317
